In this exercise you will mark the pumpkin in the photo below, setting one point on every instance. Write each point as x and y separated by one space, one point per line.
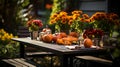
73 39
45 29
67 42
47 38
62 34
60 41
74 34
55 37
87 43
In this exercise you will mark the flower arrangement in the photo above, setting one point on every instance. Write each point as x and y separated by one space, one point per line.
60 20
93 33
74 21
105 21
80 21
34 25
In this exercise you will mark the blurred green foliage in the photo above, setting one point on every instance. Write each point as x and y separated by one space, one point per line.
8 48
10 14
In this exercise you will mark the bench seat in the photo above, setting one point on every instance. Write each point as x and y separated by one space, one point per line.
18 62
95 59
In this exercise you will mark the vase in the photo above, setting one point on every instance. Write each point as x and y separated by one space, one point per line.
105 39
34 35
97 41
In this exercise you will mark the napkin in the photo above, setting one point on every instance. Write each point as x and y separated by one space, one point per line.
71 46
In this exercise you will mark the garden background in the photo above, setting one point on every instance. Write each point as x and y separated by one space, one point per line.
15 13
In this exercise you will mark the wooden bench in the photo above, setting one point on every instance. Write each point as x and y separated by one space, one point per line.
96 60
18 62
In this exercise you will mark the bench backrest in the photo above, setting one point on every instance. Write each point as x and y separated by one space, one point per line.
23 31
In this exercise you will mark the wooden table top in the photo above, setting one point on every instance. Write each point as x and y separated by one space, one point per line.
54 48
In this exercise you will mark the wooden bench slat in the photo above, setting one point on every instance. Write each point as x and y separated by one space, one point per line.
31 54
18 62
23 61
11 63
96 59
14 63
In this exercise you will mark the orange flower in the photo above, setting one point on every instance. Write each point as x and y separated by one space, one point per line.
75 16
70 17
85 16
70 22
87 20
63 22
77 12
54 16
52 21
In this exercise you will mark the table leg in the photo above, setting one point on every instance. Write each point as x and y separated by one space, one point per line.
70 61
66 61
22 50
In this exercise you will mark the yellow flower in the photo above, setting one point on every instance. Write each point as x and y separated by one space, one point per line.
5 37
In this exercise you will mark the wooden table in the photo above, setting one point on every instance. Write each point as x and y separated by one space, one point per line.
66 55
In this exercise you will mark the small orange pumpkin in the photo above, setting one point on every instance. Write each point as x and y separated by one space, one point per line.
74 34
47 38
60 41
87 43
62 34
67 42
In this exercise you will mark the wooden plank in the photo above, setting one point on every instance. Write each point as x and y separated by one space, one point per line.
96 59
38 54
14 63
18 62
23 61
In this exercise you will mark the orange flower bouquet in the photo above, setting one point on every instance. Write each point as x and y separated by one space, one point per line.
80 21
74 21
61 21
105 21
